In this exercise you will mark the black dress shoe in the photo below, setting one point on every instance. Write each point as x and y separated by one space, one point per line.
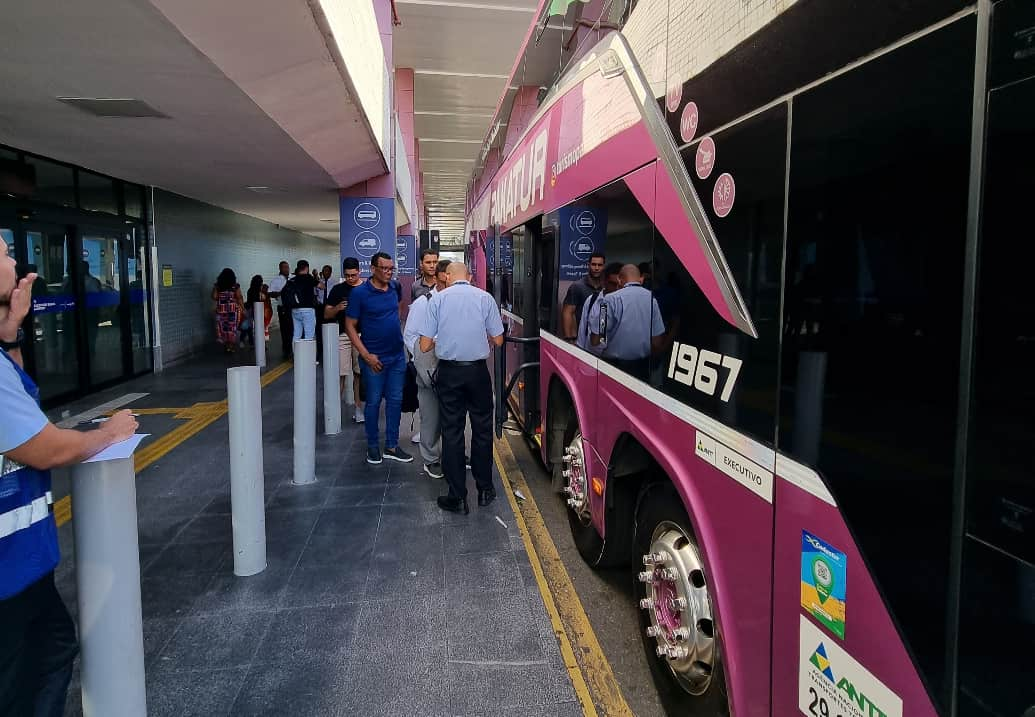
486 496
453 505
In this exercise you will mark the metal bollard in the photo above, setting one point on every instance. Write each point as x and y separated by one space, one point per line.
259 332
331 394
305 412
247 496
108 581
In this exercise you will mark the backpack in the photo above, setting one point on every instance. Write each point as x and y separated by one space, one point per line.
289 295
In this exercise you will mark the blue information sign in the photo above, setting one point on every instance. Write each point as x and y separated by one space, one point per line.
582 232
367 227
406 255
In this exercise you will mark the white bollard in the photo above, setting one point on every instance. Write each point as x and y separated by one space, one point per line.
331 395
259 332
305 412
247 488
107 562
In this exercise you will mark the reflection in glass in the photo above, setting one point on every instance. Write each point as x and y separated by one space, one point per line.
54 314
54 182
139 302
133 200
97 193
874 295
997 634
99 278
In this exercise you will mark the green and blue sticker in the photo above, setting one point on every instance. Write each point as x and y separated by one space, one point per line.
824 575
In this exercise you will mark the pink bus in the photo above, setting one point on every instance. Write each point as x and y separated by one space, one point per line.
819 474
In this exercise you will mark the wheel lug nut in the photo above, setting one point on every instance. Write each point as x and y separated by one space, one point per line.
646 604
677 653
653 631
681 633
647 576
566 473
678 603
654 558
668 574
572 503
661 651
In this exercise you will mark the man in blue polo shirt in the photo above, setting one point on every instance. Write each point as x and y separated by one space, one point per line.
37 637
374 310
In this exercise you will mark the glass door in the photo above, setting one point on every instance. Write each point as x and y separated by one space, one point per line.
52 356
139 301
101 279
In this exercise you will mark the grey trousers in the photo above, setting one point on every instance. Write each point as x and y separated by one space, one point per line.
430 427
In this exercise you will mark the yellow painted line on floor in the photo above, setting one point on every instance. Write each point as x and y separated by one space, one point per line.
590 672
198 417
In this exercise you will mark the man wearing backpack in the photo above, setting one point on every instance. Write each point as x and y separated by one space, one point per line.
374 305
591 307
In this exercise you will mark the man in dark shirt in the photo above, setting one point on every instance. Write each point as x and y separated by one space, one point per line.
426 282
303 313
374 306
348 359
578 292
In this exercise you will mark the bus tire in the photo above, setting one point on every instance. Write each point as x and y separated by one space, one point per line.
575 489
677 625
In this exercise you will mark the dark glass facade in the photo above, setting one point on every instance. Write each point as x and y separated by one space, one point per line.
85 235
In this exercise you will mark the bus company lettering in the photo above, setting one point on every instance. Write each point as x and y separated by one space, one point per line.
565 162
516 189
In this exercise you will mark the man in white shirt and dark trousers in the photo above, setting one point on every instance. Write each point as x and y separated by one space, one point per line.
460 323
283 313
426 364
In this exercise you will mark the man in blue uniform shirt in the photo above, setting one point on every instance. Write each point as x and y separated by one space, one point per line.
630 327
374 306
37 637
460 322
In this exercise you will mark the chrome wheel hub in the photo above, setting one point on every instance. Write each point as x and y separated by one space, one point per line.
575 483
679 608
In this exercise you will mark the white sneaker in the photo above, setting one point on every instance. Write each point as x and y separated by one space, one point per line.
359 417
415 438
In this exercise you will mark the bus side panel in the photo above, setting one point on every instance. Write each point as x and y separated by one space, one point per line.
870 636
734 528
577 371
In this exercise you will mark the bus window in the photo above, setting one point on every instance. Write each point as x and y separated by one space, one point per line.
742 392
873 297
627 232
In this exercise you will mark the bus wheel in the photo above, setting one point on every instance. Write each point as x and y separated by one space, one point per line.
576 489
677 621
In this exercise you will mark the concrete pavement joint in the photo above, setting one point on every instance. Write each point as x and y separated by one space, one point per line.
590 674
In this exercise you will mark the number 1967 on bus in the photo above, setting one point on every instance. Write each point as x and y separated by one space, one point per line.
699 369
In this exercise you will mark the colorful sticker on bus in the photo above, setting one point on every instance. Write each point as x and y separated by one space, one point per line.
831 683
824 574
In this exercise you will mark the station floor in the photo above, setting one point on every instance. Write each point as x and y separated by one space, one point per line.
374 601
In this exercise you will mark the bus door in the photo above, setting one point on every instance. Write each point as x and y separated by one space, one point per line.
517 373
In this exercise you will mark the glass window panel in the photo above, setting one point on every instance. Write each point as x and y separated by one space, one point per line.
54 182
97 193
1002 495
99 277
133 199
997 631
873 297
55 314
140 302
751 238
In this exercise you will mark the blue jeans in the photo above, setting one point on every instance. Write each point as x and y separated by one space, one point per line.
305 323
389 385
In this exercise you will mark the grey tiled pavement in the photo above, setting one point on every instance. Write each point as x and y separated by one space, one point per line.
374 601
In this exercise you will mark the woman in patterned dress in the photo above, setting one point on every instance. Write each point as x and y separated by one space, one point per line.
229 309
